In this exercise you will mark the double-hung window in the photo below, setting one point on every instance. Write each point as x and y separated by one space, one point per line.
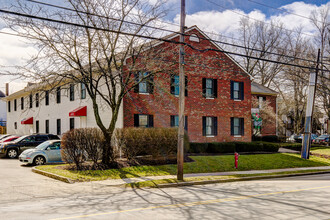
37 100
237 90
71 123
71 92
22 103
47 126
144 83
15 105
175 85
31 101
175 121
141 120
210 88
210 126
58 94
82 91
237 126
47 97
58 126
8 106
37 126
261 100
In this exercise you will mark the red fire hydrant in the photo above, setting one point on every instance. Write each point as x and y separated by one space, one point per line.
236 159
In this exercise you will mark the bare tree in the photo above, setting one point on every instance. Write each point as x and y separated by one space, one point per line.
321 20
292 81
262 40
98 55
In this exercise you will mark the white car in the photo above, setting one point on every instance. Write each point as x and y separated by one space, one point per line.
47 152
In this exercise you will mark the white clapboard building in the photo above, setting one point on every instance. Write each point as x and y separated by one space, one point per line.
32 110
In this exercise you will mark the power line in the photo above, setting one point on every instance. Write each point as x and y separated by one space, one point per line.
146 37
163 29
253 18
100 16
84 26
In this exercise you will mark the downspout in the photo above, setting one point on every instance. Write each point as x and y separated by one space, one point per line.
277 117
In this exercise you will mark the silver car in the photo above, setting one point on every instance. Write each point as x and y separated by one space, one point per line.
47 152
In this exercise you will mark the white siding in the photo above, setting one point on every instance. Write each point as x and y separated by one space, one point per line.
55 111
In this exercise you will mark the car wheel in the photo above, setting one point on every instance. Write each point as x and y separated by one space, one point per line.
12 153
39 160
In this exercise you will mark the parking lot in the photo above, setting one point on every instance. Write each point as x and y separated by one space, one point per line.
19 183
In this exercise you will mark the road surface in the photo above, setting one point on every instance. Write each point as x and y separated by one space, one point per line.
303 197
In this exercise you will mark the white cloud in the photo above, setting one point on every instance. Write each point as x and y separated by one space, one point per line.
14 50
227 22
291 20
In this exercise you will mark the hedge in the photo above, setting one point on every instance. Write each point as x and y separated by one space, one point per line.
269 138
81 144
297 146
231 147
157 142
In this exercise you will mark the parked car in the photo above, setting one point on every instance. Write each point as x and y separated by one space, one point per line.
323 139
9 139
3 136
47 152
14 148
291 138
299 138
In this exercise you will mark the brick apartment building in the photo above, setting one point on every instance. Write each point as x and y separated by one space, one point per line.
217 102
264 96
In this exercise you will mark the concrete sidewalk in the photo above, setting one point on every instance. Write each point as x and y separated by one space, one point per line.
117 182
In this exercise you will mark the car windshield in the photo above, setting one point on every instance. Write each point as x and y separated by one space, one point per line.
21 138
43 145
323 136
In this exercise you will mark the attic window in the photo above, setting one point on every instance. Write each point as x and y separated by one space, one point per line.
194 37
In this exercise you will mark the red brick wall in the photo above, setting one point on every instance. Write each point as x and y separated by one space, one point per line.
269 128
162 104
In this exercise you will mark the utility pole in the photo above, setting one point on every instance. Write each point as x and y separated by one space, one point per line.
306 144
181 94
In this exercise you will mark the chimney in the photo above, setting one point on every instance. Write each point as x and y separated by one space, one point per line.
7 89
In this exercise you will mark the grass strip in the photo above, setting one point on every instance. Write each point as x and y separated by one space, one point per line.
202 164
323 151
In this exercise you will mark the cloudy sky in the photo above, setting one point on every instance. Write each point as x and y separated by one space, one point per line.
219 16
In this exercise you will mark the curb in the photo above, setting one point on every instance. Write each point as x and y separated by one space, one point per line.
193 183
54 176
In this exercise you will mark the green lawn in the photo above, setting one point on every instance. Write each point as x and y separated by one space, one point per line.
202 164
322 150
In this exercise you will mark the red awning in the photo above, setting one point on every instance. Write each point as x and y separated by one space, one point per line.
27 121
78 112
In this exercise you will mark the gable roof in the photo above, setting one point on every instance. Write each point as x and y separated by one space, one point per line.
257 88
194 27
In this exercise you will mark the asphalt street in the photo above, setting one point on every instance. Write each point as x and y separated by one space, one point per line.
303 197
